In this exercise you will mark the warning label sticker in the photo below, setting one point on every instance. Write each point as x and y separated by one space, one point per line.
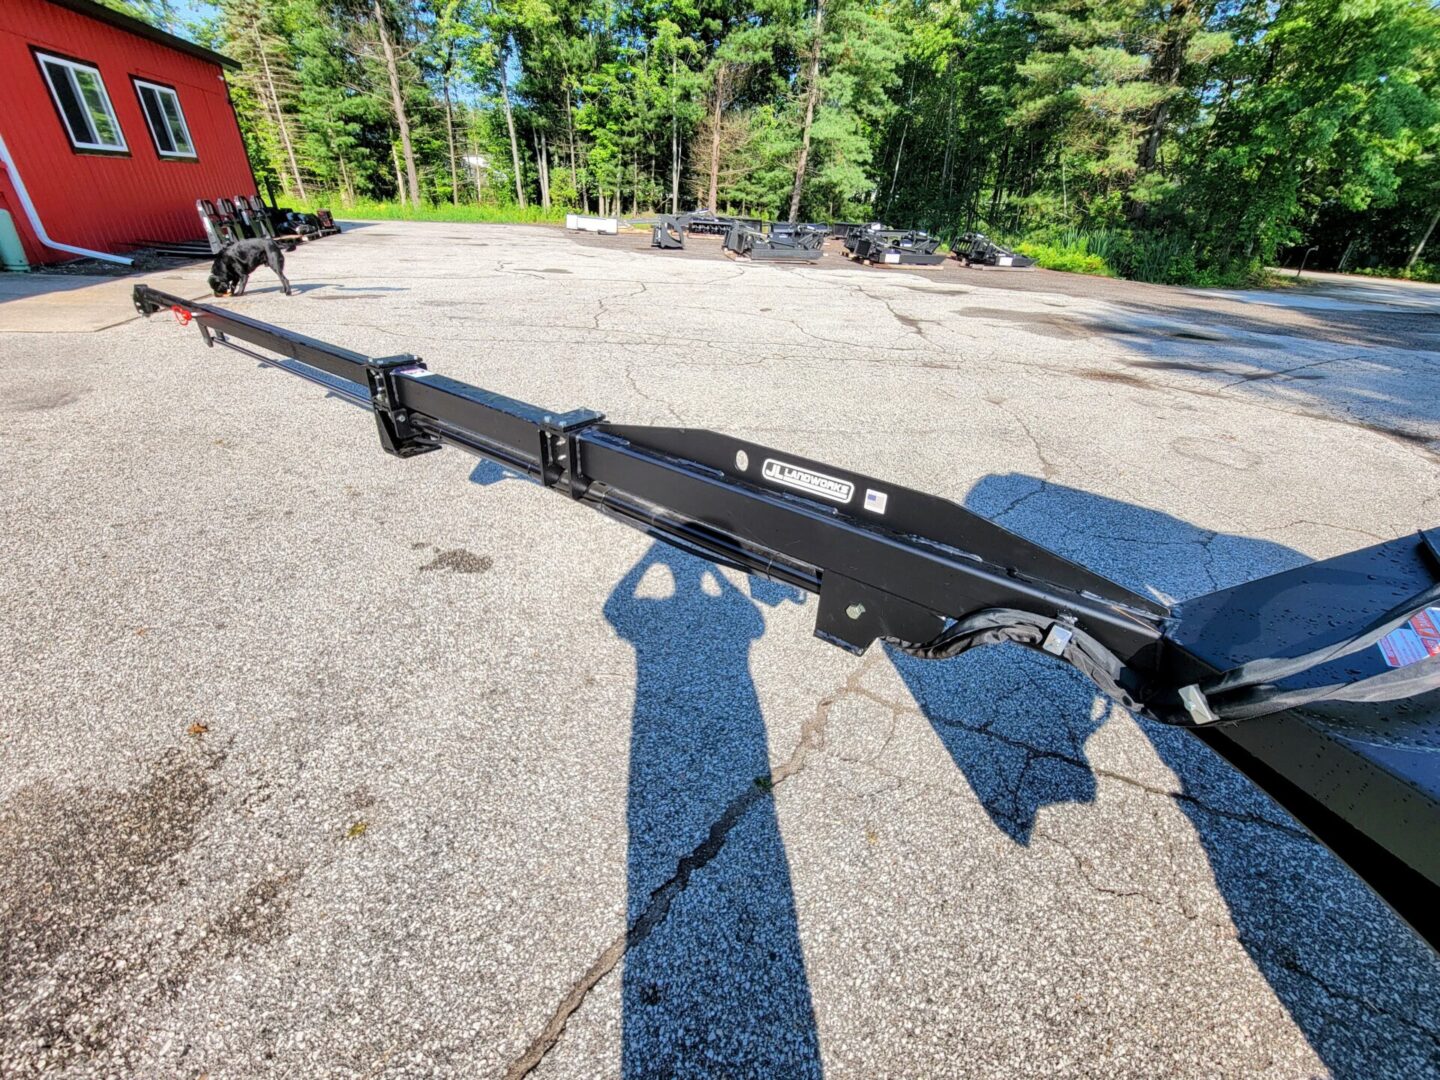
1417 639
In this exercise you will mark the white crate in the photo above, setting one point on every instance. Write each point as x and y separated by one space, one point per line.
580 223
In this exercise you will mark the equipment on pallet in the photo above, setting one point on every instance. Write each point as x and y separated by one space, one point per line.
220 229
813 228
781 243
1321 684
977 249
254 217
877 245
247 216
294 223
744 237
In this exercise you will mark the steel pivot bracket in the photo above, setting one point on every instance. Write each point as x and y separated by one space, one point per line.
560 450
398 433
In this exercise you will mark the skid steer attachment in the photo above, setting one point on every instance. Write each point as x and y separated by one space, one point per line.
879 246
1321 684
667 232
977 249
781 243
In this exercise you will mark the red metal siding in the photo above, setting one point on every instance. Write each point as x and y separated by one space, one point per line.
102 202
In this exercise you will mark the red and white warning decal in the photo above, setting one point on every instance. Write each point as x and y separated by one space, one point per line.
1417 639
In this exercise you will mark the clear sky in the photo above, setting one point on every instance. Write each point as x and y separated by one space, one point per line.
187 11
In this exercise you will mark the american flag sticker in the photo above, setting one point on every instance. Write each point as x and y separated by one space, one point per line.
875 500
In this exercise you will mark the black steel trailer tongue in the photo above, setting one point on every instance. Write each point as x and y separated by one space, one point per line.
1321 684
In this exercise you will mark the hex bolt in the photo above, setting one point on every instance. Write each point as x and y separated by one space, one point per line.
855 610
400 417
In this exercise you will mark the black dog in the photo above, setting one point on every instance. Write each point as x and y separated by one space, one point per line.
237 261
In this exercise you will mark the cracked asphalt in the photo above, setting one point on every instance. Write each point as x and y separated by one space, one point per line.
321 763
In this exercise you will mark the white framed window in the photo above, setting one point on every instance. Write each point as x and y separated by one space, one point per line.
83 104
161 106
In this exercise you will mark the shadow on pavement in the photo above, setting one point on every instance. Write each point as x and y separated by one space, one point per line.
720 987
346 292
1352 976
714 979
486 473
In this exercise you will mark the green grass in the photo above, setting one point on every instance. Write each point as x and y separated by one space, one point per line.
486 213
1421 271
1163 257
1073 260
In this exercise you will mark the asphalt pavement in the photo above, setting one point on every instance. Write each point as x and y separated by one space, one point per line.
317 762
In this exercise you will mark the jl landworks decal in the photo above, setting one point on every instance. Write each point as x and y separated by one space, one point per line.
808 480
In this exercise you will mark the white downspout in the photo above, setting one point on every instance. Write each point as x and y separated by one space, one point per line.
35 223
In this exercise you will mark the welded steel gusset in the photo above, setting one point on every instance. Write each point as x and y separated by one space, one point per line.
1321 684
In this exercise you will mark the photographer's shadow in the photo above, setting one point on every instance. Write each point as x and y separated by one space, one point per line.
1016 723
714 979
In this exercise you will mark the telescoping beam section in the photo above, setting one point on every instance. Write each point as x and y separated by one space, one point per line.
918 559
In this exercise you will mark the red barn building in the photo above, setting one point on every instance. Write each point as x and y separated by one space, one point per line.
109 130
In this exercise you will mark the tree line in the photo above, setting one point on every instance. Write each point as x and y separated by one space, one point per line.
1190 140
